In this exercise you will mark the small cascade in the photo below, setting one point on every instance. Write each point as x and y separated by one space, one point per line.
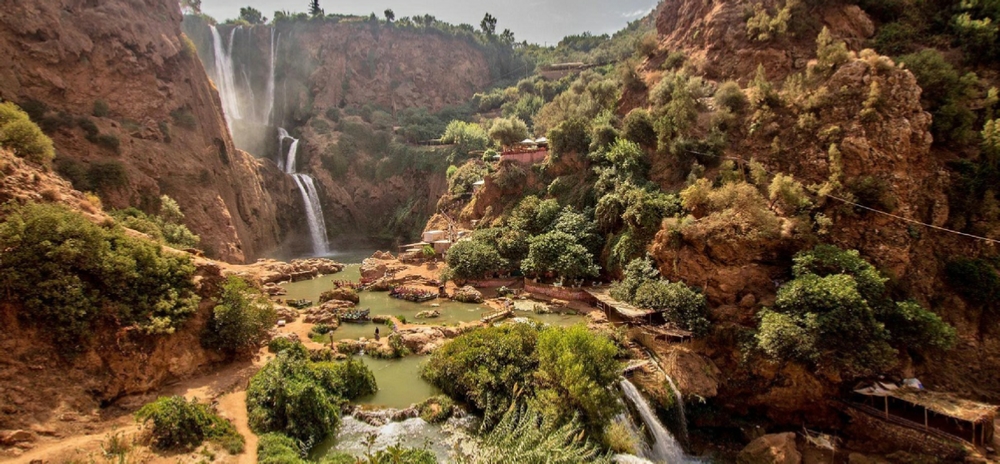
314 213
680 409
664 448
269 98
225 79
310 195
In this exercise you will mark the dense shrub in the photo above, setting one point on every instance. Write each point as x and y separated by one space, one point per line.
301 398
106 175
468 136
184 118
484 367
974 279
524 435
681 305
22 136
178 423
558 254
474 259
101 109
508 131
165 226
945 94
436 408
577 373
638 127
836 315
461 179
69 274
241 320
570 136
275 448
729 95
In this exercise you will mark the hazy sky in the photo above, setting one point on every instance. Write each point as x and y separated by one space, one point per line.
537 21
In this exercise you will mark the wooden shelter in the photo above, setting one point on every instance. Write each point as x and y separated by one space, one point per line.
931 411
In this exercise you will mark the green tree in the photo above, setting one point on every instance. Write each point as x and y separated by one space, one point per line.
558 254
570 136
302 399
241 320
390 16
487 366
488 25
472 259
469 136
314 9
252 15
638 127
508 131
577 374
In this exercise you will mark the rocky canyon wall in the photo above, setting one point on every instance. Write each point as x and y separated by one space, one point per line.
115 83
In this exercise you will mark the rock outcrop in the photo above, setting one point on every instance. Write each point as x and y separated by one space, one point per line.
778 448
157 116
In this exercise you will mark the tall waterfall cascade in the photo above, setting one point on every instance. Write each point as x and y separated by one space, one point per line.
310 196
225 76
248 118
663 448
679 399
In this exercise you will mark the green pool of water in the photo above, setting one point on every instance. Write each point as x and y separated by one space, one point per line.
399 382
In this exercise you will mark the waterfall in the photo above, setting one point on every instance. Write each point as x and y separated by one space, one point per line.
269 99
664 447
314 213
310 196
680 409
225 76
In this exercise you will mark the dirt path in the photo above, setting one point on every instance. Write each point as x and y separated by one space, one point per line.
225 386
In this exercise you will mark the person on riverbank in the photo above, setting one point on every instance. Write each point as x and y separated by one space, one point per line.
376 334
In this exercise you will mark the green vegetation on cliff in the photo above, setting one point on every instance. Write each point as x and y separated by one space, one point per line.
22 136
242 319
70 275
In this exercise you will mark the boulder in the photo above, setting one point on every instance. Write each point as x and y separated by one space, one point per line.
343 294
467 294
429 314
373 269
286 314
13 437
776 448
383 255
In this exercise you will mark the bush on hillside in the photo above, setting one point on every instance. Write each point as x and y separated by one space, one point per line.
486 366
22 136
165 226
241 320
178 423
570 136
729 95
638 127
70 274
302 399
474 259
836 315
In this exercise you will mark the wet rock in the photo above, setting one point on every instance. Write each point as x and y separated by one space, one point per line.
777 448
693 374
468 294
429 314
343 294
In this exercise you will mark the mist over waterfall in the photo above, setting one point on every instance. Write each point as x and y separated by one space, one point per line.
663 447
310 196
245 79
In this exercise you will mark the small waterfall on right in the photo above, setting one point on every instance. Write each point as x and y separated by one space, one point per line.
680 409
664 448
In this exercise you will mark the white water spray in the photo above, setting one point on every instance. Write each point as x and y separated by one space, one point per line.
310 196
664 447
269 101
680 408
225 76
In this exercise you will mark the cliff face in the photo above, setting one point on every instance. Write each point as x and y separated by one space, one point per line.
124 66
345 67
869 109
